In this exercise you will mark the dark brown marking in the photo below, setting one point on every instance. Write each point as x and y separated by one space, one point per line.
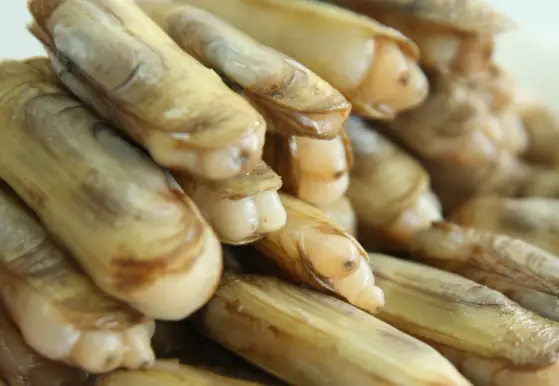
274 330
349 265
404 78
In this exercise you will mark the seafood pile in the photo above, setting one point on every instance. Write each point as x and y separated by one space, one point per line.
271 192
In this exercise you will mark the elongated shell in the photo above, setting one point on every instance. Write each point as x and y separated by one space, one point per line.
499 342
454 248
279 84
44 290
241 209
477 16
373 66
312 250
113 57
151 247
534 220
453 36
291 331
22 366
388 189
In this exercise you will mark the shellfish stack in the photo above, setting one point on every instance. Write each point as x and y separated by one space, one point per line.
305 108
468 133
173 211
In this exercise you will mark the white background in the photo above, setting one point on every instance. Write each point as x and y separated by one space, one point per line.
531 53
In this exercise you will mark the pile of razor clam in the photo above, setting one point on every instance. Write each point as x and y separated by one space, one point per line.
195 162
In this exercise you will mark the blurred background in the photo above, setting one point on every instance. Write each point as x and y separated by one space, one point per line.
531 53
